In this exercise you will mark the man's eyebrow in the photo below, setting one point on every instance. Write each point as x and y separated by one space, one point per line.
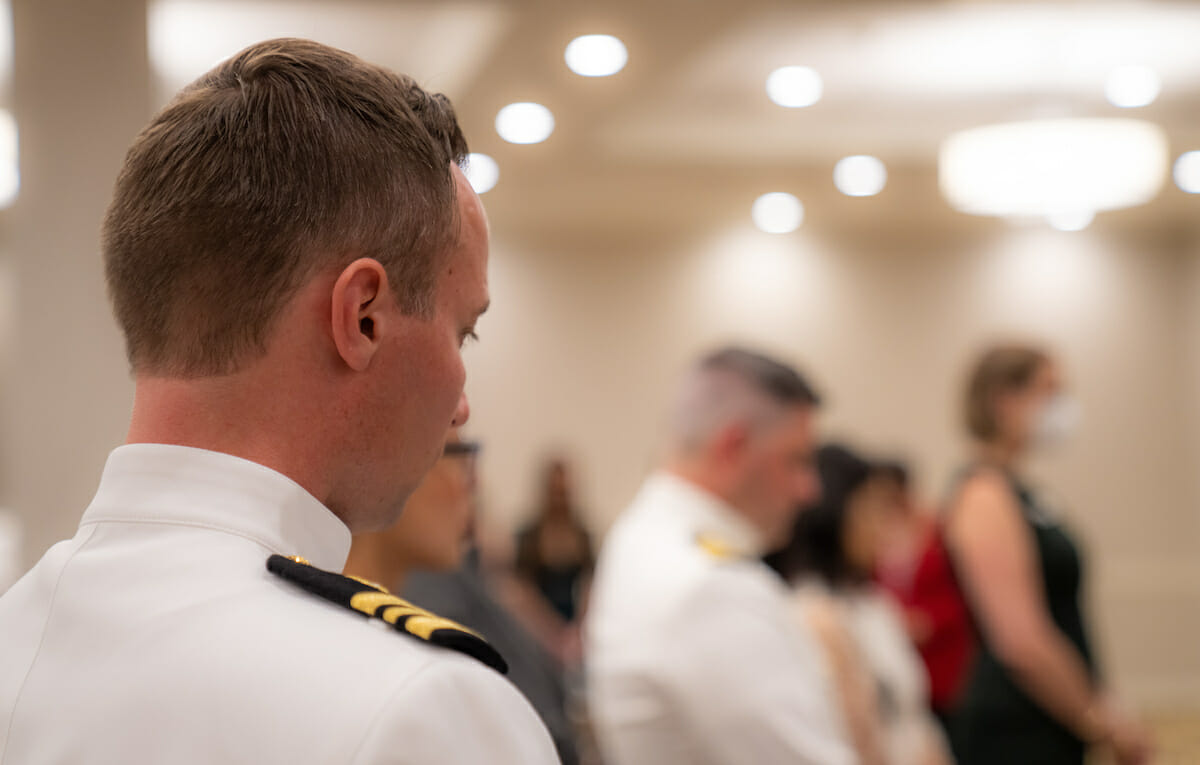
483 309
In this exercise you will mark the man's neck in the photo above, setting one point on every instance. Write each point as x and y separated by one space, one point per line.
698 476
230 415
707 480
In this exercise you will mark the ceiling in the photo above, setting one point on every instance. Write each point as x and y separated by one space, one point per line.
685 135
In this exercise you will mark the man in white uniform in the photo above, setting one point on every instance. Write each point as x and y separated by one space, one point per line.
693 654
295 259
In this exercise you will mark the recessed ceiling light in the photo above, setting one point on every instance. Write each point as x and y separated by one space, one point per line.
1132 86
794 86
525 123
777 213
596 55
482 172
1187 172
1071 220
860 176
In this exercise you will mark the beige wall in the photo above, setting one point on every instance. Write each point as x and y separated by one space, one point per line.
587 336
66 390
1191 321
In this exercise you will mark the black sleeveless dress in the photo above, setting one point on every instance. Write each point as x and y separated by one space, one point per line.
996 723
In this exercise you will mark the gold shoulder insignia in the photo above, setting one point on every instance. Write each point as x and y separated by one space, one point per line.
719 548
371 600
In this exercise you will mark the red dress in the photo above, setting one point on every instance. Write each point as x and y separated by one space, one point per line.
937 616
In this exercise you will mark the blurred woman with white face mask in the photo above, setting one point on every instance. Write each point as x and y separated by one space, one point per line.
1034 693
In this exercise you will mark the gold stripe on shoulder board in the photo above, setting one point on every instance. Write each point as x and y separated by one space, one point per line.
368 583
418 621
719 548
373 601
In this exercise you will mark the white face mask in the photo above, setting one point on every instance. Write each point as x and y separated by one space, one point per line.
1057 422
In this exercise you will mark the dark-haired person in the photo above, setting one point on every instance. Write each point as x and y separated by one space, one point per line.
295 259
553 567
836 545
432 532
692 655
1033 694
427 557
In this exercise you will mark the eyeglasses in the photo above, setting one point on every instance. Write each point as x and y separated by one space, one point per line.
461 449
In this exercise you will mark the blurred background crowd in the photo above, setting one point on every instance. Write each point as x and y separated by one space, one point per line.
952 629
875 192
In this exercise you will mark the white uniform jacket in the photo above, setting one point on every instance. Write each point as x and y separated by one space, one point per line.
694 655
157 635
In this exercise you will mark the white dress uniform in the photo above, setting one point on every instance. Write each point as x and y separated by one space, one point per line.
694 654
157 635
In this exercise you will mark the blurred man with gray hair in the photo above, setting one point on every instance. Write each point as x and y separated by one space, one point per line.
693 654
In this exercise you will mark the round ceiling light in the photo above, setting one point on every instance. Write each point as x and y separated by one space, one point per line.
482 172
1132 86
525 123
795 86
596 55
860 175
1187 172
777 213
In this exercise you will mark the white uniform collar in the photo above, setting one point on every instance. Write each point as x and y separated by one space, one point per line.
707 514
182 485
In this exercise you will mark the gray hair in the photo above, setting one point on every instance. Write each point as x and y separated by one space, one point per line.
735 385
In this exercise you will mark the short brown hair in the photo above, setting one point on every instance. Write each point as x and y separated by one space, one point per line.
1000 369
287 159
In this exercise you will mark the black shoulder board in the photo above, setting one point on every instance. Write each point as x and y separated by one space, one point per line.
375 602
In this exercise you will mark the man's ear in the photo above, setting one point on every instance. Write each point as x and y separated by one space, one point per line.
360 295
731 442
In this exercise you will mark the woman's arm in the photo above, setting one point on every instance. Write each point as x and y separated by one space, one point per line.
998 565
855 689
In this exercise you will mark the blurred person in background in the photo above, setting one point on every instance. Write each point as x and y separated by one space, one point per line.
915 568
554 561
431 533
428 557
1034 693
693 654
836 546
898 561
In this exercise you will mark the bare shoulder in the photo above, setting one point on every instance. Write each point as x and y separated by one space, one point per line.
985 484
984 498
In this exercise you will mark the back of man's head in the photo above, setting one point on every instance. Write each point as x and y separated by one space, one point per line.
286 160
743 432
735 386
